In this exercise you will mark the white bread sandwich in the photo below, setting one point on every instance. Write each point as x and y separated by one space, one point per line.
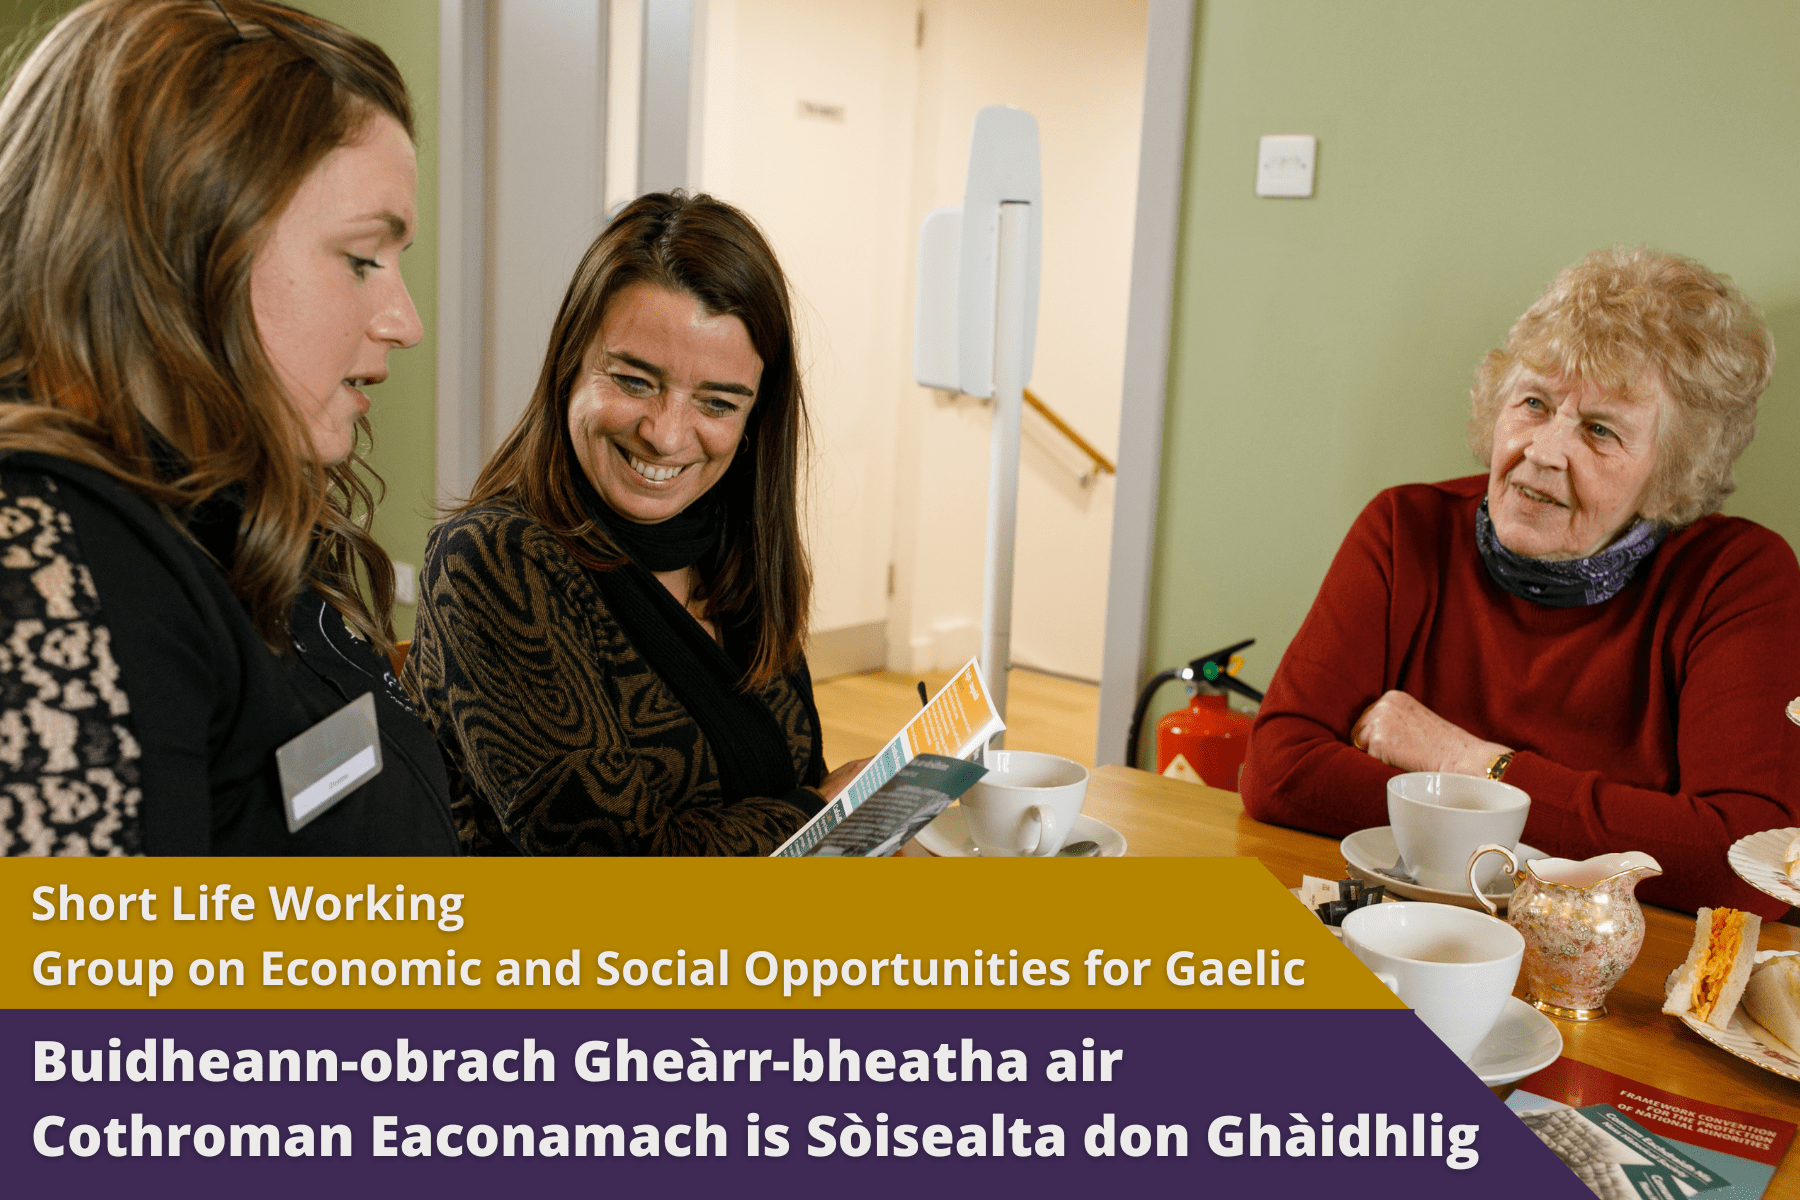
1773 998
1790 859
1708 985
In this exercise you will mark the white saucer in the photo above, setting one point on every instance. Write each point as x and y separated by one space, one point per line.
1745 1038
1757 858
1524 1041
1370 852
948 836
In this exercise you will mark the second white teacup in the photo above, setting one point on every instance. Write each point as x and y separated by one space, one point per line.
1026 804
1454 967
1439 819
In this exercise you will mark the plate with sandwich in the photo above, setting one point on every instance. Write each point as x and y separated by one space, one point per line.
1742 1000
1769 862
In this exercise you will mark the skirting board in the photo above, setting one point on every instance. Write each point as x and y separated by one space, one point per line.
845 651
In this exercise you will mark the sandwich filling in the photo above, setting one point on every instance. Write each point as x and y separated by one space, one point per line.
1714 969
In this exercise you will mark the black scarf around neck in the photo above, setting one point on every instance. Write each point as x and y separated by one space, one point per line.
748 744
684 539
1571 583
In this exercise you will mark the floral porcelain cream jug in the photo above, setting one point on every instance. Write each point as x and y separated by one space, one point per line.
1581 923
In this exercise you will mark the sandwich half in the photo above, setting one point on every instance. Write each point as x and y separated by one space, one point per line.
1790 860
1709 984
1773 998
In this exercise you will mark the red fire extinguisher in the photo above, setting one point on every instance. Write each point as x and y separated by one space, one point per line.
1204 742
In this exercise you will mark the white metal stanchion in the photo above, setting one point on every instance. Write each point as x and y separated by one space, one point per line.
1003 470
975 330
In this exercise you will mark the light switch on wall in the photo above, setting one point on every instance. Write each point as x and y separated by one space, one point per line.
1284 164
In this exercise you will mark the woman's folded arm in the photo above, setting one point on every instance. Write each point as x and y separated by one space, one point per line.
1301 769
1727 649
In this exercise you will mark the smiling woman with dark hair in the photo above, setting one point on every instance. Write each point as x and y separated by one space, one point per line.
610 631
1580 621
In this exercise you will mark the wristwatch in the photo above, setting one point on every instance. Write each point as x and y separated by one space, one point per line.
1497 768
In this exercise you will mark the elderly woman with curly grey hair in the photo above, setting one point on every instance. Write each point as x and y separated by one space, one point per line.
1581 621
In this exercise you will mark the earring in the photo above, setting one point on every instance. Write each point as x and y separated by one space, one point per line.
744 445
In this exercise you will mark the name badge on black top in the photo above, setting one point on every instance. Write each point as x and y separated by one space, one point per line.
329 761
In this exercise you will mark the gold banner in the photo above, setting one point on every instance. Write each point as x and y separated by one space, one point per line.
672 933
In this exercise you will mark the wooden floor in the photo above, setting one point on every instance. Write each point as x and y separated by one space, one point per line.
861 712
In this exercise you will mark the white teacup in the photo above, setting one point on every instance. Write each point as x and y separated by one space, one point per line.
1026 804
1454 967
1439 819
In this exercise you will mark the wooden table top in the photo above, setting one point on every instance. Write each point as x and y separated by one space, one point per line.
1165 817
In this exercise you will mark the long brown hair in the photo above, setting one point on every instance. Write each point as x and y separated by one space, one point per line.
147 148
703 248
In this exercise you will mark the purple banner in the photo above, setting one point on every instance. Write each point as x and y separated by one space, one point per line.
869 1103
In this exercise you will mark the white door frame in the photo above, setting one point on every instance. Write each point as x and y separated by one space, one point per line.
668 118
1168 70
521 175
462 244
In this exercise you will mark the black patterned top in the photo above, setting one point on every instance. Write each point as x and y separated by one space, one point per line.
559 737
140 711
67 752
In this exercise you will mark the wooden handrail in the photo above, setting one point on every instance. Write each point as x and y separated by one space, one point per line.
1101 462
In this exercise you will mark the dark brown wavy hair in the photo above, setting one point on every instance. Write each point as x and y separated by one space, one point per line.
147 148
704 248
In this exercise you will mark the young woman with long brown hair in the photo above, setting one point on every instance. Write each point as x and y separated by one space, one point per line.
202 207
610 631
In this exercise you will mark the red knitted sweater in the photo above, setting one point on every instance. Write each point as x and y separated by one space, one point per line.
1652 721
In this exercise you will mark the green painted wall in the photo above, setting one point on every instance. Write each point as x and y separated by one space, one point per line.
22 23
1324 348
404 410
405 407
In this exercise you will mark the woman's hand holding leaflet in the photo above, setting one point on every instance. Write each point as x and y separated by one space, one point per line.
839 779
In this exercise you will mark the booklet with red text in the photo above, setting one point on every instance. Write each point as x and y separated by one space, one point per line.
1626 1139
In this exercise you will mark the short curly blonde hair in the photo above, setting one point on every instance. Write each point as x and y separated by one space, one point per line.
1619 312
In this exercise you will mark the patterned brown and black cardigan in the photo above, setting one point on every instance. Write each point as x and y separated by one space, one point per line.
559 737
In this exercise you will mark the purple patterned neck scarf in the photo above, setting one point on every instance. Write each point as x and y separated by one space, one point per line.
1574 582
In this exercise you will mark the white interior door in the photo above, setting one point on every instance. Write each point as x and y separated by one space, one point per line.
838 126
807 124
